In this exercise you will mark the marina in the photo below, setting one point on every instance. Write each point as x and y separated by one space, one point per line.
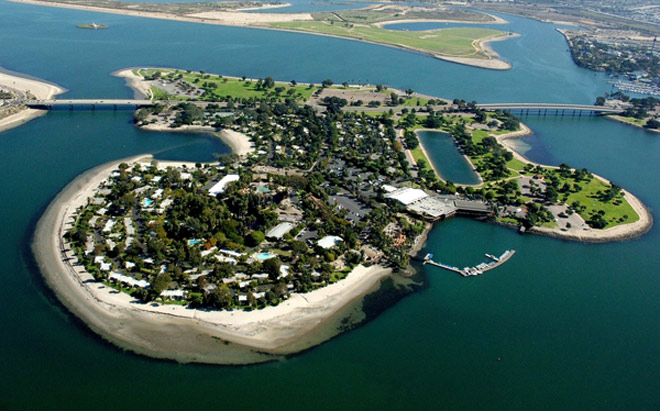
476 270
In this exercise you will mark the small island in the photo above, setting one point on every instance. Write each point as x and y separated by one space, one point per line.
92 26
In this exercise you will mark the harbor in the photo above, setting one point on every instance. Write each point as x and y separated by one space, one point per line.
476 270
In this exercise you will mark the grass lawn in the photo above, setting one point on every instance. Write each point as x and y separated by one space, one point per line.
630 120
234 87
588 198
479 135
414 102
455 42
418 154
516 164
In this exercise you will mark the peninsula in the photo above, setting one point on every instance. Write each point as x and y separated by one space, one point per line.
270 252
15 91
464 45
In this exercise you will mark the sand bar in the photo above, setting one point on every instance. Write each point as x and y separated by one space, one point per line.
176 332
22 86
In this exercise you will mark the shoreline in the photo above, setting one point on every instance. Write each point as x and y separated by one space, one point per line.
249 20
492 63
239 143
134 82
617 233
176 332
22 85
622 121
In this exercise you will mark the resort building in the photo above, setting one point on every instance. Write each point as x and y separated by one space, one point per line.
277 232
221 185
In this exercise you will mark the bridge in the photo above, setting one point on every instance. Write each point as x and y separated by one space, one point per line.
89 104
551 109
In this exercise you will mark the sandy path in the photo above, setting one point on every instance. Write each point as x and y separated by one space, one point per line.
175 332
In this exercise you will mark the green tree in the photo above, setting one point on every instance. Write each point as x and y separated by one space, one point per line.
254 238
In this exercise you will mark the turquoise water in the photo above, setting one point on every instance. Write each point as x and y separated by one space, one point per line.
575 326
443 153
265 256
194 242
148 202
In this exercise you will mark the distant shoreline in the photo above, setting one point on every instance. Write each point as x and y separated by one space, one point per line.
259 21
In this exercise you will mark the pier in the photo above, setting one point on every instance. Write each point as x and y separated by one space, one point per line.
476 270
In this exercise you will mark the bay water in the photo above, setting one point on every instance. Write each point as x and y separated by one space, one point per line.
561 325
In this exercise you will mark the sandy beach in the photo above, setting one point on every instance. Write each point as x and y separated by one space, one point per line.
22 86
176 332
134 81
589 235
239 143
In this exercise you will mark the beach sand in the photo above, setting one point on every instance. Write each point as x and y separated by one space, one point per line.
135 82
176 332
21 85
239 143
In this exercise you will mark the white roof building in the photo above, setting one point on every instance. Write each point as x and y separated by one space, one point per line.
407 195
173 294
220 186
279 230
129 280
329 241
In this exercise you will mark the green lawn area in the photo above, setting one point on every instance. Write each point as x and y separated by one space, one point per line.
515 164
631 120
413 102
456 42
479 135
587 198
418 154
235 87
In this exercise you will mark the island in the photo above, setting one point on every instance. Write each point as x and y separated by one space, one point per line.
271 250
463 45
92 26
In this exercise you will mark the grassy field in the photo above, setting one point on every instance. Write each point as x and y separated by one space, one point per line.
234 87
418 154
452 42
639 122
615 210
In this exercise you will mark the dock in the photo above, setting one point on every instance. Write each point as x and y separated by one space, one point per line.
476 270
